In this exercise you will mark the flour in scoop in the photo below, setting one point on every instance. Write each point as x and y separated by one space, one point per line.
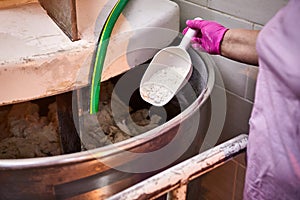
160 87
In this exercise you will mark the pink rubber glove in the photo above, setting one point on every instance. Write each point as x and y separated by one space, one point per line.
209 37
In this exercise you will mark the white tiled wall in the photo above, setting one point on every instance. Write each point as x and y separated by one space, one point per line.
249 14
257 11
239 79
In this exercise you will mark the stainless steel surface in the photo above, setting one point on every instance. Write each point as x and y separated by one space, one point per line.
85 175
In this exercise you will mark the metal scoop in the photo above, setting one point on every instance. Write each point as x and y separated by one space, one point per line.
167 73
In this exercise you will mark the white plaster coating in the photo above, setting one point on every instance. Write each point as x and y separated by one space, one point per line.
14 3
37 59
27 32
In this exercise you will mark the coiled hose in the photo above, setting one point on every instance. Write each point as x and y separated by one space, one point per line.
101 53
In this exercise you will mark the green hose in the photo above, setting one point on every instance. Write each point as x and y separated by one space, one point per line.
101 53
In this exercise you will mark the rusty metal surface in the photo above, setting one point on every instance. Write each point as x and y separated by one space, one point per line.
63 12
179 193
69 137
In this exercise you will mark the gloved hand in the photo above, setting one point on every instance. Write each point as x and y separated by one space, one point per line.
209 37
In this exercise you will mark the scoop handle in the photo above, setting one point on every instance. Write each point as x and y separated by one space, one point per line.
185 42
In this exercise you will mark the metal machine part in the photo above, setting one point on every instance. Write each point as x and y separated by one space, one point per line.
101 172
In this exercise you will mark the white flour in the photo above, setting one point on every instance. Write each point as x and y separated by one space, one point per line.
161 85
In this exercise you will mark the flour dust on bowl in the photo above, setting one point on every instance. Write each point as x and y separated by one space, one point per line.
148 139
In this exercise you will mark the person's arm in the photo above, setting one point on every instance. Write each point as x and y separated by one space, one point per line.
236 44
240 45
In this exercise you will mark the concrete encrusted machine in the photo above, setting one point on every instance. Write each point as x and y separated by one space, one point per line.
47 50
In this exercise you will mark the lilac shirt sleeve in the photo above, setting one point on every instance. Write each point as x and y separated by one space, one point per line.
273 153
